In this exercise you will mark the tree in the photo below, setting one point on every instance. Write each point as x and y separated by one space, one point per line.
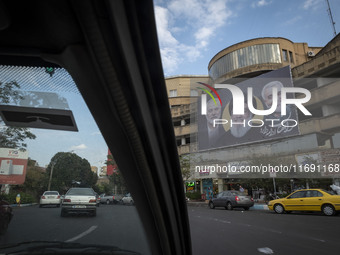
116 179
35 177
184 161
12 137
69 168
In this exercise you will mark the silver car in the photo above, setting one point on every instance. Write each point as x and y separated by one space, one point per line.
232 199
79 200
127 199
50 198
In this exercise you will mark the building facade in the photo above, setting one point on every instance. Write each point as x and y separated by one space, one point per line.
316 69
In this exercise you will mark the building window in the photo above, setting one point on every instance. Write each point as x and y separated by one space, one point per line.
248 56
284 55
173 93
193 93
291 57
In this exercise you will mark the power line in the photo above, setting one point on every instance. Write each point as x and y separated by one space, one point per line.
331 17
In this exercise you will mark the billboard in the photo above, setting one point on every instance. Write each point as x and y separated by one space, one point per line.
13 165
254 110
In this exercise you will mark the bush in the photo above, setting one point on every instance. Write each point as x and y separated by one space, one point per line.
24 198
193 195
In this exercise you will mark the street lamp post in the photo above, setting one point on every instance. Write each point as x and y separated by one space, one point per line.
49 182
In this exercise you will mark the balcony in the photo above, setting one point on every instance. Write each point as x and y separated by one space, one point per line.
185 130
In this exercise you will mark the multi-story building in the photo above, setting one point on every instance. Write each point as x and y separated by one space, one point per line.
314 68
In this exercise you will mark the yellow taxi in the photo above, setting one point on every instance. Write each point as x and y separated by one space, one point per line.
307 200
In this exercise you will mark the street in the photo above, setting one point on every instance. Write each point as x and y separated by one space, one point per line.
114 225
219 231
216 231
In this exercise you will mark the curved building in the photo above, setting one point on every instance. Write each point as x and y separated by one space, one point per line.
256 56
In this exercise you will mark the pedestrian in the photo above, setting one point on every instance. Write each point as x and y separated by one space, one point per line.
17 199
241 189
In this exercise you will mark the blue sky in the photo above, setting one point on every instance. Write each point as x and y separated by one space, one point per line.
191 32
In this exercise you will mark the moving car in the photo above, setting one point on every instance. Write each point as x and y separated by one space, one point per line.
307 200
79 200
127 199
6 216
231 199
50 198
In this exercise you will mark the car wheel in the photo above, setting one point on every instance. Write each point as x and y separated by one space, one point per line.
211 205
4 224
63 213
229 206
246 208
107 202
328 210
278 208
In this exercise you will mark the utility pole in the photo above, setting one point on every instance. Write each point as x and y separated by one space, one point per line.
331 17
49 182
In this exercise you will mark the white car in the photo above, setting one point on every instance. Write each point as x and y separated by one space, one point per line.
127 199
79 200
50 198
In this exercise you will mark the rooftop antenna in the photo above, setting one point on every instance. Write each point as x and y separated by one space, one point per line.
331 17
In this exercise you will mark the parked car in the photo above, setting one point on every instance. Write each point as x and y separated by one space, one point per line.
232 199
97 200
127 199
307 200
79 200
110 198
50 198
6 216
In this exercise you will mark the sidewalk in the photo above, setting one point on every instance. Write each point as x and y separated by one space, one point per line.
257 205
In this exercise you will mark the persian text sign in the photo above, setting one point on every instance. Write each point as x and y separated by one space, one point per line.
13 165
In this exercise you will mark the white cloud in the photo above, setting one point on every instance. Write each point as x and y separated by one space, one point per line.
196 21
261 3
292 20
79 147
311 4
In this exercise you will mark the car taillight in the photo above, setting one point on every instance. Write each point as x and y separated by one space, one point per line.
113 197
43 197
237 198
67 200
58 197
251 199
92 201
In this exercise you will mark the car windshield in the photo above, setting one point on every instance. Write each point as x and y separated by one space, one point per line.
329 192
80 192
51 193
64 152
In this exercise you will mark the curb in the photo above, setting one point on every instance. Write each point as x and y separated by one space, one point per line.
23 205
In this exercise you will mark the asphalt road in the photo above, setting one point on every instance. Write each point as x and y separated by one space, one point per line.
114 225
213 232
219 231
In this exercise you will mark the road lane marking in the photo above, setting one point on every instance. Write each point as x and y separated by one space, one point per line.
82 234
265 250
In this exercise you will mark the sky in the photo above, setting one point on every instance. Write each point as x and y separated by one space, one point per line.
192 32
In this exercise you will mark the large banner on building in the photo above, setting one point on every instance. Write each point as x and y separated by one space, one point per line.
254 110
13 165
